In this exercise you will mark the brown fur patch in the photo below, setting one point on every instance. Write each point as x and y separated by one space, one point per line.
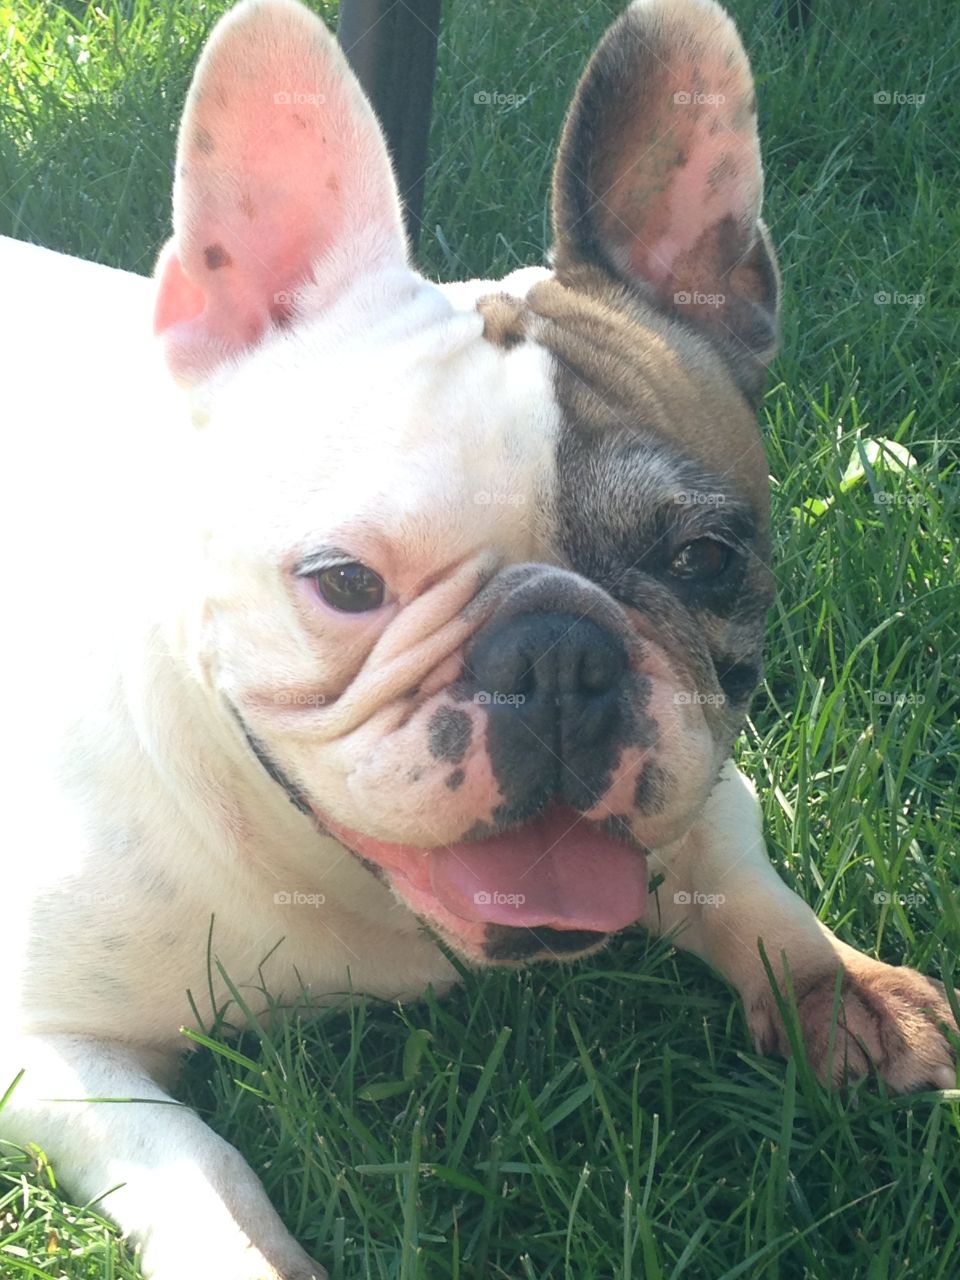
623 365
504 319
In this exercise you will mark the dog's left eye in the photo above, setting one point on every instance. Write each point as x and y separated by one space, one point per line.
350 588
700 560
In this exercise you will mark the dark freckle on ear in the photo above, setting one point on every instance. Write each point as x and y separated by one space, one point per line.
450 734
247 206
300 120
455 779
216 256
203 141
721 171
415 774
333 183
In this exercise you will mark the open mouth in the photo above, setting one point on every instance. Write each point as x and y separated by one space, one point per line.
558 871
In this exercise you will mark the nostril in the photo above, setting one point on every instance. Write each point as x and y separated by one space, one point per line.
526 682
597 670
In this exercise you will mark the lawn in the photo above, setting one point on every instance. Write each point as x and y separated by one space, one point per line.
608 1119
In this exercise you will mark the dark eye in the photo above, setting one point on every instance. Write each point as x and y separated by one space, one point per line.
351 588
700 560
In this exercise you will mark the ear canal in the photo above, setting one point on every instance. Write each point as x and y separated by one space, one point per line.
284 191
658 178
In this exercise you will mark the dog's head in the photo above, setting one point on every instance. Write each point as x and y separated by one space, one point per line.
483 572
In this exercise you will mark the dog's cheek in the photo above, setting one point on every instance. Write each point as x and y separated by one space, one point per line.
426 781
664 772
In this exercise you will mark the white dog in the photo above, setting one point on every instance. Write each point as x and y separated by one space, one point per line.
443 604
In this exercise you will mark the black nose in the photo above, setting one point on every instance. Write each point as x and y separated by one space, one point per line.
553 684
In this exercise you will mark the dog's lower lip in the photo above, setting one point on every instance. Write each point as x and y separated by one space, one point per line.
559 870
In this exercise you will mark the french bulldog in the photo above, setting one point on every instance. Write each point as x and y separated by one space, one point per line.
358 614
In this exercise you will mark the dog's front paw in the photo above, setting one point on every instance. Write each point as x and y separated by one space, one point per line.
164 1259
253 1267
890 1021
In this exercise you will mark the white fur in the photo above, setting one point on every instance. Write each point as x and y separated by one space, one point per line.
151 535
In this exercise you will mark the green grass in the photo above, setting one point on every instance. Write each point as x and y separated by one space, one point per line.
608 1119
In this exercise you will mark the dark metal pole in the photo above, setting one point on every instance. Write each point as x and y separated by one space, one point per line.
392 47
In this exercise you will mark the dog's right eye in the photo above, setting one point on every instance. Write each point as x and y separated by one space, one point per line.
350 588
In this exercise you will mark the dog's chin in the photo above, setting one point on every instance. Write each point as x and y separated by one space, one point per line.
553 887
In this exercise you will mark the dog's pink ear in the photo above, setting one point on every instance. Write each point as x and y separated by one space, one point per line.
658 178
283 192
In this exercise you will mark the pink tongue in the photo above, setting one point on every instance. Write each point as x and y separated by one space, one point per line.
558 870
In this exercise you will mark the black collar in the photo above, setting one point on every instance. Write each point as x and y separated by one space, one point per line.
273 770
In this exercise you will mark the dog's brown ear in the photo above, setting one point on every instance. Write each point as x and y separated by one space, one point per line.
658 178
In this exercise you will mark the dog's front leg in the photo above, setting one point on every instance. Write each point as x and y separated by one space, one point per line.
182 1193
721 898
